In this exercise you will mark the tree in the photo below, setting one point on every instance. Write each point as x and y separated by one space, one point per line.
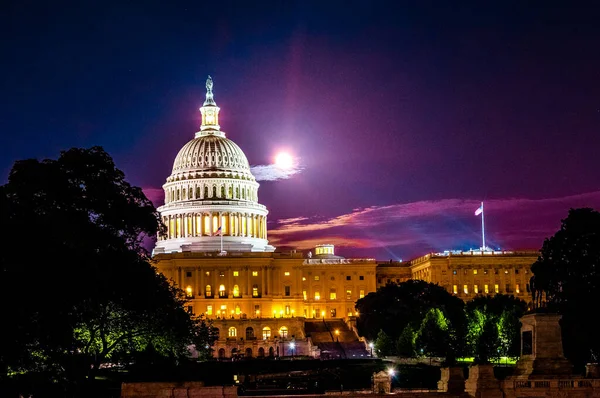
76 284
569 266
406 346
394 307
384 346
494 326
433 337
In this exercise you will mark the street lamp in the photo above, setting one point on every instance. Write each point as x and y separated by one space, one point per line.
371 347
337 335
292 346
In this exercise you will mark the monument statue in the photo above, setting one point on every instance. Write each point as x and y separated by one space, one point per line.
209 84
539 291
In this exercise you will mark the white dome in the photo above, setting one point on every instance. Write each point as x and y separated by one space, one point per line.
208 154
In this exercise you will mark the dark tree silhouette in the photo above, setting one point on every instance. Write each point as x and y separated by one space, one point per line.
76 285
569 265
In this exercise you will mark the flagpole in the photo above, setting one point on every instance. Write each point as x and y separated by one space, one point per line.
482 228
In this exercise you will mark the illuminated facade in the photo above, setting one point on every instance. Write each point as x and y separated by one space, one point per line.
467 274
216 250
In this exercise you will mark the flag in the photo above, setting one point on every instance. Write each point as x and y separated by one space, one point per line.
479 210
218 231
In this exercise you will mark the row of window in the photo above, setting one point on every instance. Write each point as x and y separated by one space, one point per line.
333 294
188 274
266 332
486 289
485 271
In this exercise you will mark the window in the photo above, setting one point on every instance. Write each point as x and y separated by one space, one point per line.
317 296
517 289
348 294
332 294
496 289
188 291
266 333
286 273
222 292
188 274
466 289
516 272
221 274
254 290
475 289
455 289
348 278
495 272
209 310
232 332
317 277
283 332
361 294
238 310
287 310
474 272
208 291
287 290
207 273
361 278
507 288
236 291
453 272
506 271
236 273
303 279
485 271
304 294
486 289
254 273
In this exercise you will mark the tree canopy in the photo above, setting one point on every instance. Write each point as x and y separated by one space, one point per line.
77 286
569 270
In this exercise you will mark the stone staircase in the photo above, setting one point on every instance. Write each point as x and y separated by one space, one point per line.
335 339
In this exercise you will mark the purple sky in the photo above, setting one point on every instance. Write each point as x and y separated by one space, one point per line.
404 115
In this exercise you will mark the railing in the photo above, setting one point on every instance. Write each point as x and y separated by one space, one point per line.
557 384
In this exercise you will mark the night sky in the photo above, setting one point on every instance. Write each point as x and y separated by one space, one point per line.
403 116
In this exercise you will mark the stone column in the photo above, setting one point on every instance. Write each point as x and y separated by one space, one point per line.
263 287
248 272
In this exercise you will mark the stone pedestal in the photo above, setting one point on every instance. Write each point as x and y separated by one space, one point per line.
482 383
382 383
592 371
452 380
541 348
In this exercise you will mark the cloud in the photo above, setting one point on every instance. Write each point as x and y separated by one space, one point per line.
413 229
273 172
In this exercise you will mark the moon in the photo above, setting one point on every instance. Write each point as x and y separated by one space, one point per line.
284 160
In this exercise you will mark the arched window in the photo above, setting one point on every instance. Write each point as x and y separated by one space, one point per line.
248 352
230 192
188 291
222 191
249 333
232 332
197 193
214 191
205 192
332 294
266 333
283 332
222 353
208 291
261 352
222 292
255 290
236 291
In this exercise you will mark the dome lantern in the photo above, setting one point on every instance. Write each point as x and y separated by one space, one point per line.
210 113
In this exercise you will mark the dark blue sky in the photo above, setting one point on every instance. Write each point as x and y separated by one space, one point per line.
405 115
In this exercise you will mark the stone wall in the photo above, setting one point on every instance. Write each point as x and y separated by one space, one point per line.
175 390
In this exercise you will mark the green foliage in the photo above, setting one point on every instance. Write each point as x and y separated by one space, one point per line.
77 286
494 326
384 345
406 343
433 338
393 307
569 269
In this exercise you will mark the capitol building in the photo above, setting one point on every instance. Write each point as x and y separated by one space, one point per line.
269 303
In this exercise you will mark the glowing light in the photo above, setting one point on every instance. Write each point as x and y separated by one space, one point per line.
284 160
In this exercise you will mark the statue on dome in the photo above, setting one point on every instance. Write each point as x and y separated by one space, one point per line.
209 84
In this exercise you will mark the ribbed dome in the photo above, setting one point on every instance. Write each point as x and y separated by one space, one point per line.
211 153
